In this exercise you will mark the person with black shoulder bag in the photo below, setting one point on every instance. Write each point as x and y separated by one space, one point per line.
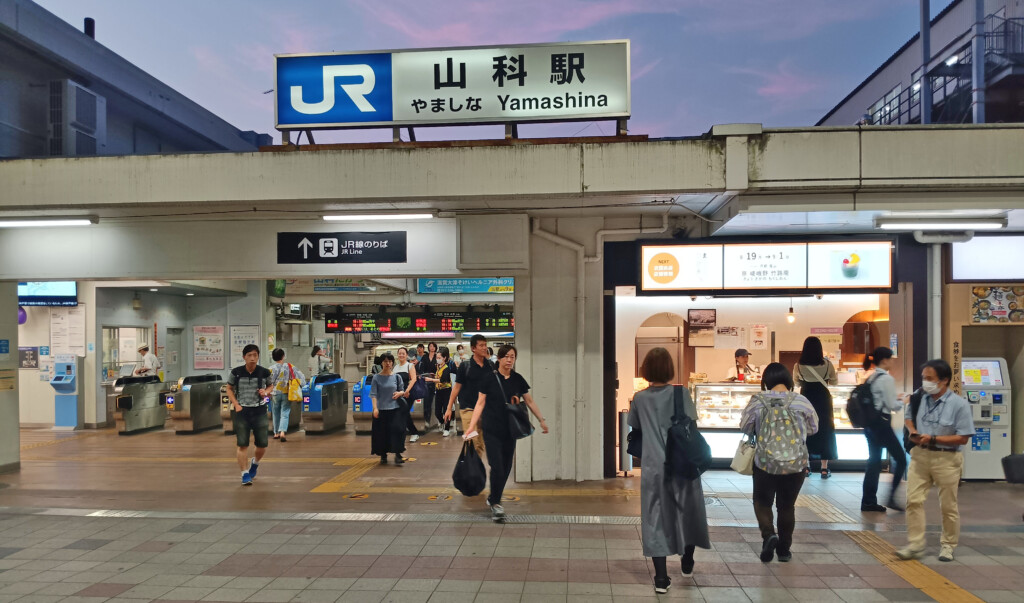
499 409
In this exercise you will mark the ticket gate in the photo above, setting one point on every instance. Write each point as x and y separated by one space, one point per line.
139 404
194 403
324 404
362 406
227 412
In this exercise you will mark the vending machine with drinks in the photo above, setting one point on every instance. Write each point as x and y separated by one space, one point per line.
986 385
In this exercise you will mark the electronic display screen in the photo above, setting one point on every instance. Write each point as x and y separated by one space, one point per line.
448 322
982 373
48 293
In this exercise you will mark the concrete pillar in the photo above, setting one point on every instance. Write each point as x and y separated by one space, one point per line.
10 440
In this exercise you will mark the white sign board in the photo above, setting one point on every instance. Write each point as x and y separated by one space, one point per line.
766 266
495 84
242 336
67 330
673 267
986 259
854 265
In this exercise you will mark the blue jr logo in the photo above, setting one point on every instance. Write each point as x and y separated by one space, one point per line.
308 92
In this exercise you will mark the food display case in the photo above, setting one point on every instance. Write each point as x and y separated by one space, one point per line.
720 405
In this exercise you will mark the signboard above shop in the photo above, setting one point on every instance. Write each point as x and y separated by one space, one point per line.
442 86
751 267
465 285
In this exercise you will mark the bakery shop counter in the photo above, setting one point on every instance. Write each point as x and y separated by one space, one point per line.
720 405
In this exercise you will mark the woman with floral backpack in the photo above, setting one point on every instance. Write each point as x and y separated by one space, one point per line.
780 421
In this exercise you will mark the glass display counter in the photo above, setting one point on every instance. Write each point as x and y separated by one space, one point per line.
720 405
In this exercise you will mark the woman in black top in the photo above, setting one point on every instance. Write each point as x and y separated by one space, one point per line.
490 414
814 373
441 381
428 366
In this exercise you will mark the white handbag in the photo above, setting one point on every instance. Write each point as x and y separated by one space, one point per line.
743 460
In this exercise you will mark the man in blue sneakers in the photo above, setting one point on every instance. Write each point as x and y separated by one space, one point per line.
248 388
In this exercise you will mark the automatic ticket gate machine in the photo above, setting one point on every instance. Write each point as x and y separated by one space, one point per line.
324 404
986 385
140 404
68 400
227 411
194 403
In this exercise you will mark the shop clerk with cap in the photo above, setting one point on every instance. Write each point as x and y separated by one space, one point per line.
150 363
743 366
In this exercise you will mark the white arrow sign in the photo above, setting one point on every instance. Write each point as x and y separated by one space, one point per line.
305 245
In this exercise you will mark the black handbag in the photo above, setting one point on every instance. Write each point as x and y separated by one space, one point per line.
469 476
635 443
519 425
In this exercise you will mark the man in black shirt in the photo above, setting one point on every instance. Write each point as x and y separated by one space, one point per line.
248 387
468 379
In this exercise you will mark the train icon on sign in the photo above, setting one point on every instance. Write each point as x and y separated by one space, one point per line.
329 90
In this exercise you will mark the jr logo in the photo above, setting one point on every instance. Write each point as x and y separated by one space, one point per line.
355 91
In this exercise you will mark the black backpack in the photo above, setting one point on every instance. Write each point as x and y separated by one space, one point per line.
687 454
860 407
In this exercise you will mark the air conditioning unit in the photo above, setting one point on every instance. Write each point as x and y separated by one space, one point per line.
78 120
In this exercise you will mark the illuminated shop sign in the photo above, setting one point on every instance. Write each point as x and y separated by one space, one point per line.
797 267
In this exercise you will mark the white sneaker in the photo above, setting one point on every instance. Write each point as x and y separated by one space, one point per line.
445 433
497 512
946 553
907 553
414 438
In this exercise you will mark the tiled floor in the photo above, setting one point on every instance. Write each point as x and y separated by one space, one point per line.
321 525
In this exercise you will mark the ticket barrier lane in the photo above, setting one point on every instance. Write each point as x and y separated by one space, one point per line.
139 404
324 404
194 403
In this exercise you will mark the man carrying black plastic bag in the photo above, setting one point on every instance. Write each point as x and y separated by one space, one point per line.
469 476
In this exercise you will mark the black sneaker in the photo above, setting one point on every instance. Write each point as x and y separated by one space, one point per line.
399 460
383 459
661 585
876 508
768 548
687 567
785 556
895 506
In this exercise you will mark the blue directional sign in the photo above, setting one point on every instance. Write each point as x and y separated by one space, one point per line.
320 90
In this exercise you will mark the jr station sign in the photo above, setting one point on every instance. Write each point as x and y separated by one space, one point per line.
494 84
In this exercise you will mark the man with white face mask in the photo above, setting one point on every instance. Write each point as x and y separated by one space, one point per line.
943 425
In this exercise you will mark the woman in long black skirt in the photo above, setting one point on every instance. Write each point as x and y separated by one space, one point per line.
813 374
389 423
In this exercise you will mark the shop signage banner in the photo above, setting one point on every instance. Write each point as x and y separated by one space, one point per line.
208 347
865 265
993 305
984 259
465 285
493 84
342 247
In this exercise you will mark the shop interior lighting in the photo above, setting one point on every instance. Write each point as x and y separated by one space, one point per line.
368 217
47 222
952 60
952 223
791 316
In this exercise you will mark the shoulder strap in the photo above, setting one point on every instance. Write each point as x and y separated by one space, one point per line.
501 386
679 411
815 374
291 370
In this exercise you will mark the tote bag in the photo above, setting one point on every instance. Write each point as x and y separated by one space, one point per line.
294 386
743 460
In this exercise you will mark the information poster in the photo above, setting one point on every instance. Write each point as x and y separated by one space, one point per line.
982 440
208 347
997 305
67 330
28 357
774 266
727 338
759 337
702 328
242 336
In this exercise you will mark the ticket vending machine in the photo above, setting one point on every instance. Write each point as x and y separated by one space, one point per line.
986 384
68 401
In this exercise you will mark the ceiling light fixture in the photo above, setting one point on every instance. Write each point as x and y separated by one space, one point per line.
190 295
47 222
791 316
154 290
368 217
952 223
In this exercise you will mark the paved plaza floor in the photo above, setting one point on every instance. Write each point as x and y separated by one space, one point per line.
96 517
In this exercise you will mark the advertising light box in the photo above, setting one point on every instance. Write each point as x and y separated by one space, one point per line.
682 267
766 266
854 265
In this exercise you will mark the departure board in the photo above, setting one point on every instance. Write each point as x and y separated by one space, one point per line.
444 322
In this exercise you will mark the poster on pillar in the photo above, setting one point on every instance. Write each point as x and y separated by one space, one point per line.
242 336
208 347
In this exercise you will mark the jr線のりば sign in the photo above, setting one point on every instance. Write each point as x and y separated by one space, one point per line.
499 84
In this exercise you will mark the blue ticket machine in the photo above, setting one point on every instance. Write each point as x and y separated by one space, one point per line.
68 400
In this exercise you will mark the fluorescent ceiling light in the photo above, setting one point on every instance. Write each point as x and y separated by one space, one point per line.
365 217
154 289
935 223
190 294
44 222
952 60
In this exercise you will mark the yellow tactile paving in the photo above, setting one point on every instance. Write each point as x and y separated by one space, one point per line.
57 441
341 481
341 462
824 509
921 576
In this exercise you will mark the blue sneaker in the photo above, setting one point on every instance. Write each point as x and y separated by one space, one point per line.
253 468
246 479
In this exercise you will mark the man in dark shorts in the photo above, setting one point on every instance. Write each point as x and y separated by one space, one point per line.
248 388
468 379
